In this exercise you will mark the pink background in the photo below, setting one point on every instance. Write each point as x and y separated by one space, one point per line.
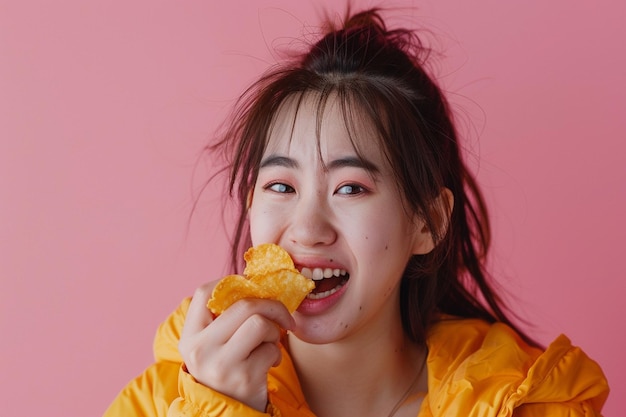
105 106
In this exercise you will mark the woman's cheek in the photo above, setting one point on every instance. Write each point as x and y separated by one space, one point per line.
265 224
373 231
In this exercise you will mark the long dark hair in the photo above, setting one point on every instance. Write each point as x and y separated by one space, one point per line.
380 74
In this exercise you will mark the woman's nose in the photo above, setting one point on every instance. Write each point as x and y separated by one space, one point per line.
312 224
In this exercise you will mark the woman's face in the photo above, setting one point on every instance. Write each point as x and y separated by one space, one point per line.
342 219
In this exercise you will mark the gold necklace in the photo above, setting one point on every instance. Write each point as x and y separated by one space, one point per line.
406 394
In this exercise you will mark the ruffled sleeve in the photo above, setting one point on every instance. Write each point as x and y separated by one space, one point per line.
563 381
478 369
285 392
166 389
196 400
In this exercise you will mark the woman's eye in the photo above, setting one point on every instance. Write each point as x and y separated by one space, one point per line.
279 187
350 189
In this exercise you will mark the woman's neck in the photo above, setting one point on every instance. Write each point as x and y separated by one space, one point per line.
364 375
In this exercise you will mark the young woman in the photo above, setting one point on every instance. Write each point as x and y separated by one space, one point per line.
348 158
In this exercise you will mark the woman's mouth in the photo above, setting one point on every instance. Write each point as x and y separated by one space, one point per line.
327 281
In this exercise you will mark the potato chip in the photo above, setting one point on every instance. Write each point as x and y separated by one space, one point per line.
286 286
270 274
230 289
265 258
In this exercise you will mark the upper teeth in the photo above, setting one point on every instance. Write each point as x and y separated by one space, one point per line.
317 274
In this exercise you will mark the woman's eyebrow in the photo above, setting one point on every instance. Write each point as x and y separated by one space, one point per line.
277 160
353 162
345 162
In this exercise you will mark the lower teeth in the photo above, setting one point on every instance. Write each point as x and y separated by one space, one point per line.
317 296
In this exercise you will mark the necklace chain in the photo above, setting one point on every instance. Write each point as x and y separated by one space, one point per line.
408 391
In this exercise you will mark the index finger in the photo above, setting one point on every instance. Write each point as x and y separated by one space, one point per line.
198 315
234 316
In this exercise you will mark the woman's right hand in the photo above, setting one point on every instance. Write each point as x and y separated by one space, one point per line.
233 353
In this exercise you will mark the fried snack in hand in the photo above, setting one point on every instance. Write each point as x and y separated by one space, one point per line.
269 274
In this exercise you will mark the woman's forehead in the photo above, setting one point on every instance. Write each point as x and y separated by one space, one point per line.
329 123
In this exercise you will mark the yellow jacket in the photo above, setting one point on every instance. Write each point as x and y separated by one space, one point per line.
474 369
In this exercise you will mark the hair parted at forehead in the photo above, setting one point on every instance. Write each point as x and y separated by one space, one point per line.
379 74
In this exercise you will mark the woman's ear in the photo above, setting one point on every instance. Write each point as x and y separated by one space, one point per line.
440 213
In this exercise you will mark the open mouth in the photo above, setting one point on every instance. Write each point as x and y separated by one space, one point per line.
327 281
